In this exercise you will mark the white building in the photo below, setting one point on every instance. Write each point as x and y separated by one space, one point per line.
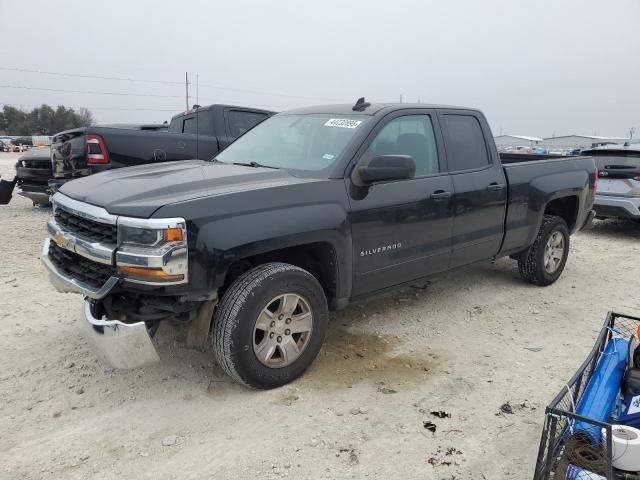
580 141
516 141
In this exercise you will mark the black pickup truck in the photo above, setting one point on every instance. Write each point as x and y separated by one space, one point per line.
310 211
198 133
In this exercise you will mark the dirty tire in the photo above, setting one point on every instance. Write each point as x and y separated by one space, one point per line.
531 264
233 325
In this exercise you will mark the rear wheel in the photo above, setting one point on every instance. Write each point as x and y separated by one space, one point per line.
270 325
545 259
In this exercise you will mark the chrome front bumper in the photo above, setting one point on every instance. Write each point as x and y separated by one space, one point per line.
65 283
117 344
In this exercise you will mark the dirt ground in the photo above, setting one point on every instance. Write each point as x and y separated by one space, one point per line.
465 343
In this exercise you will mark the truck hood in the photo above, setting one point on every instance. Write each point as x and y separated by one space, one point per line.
140 191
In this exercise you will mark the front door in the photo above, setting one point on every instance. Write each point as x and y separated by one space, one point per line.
401 230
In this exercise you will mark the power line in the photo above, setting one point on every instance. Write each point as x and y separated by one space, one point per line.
132 109
90 92
99 77
167 82
142 109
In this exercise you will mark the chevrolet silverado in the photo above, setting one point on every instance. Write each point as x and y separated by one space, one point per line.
311 210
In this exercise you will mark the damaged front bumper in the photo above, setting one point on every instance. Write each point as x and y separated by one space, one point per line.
118 344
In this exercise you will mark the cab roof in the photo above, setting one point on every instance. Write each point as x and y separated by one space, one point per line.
371 110
204 108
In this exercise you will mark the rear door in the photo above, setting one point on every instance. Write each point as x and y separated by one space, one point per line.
479 184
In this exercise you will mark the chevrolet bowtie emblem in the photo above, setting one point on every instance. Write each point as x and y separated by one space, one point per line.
62 240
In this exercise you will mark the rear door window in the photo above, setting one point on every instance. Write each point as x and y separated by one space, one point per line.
190 125
241 121
466 148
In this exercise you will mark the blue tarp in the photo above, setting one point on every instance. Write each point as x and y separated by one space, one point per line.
600 396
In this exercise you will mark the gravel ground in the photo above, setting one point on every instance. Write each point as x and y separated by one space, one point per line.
459 344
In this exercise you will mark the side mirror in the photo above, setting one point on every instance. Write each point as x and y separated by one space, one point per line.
386 168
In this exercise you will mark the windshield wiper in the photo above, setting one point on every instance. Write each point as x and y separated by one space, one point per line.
254 165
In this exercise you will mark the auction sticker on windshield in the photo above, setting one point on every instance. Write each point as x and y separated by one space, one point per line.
342 123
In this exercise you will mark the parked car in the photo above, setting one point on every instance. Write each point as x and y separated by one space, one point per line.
618 192
199 133
310 211
25 142
33 170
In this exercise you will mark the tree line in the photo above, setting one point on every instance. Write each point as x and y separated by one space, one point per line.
43 120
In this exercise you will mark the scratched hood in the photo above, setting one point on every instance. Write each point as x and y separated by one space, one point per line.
140 191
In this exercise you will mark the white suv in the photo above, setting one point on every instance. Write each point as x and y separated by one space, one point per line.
618 188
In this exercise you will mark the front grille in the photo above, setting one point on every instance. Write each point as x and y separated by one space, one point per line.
80 268
89 229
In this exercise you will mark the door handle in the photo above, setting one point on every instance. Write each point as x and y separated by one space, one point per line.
440 195
495 187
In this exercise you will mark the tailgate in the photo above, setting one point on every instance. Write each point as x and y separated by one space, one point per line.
68 154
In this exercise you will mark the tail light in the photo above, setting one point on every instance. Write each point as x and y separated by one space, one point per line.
96 150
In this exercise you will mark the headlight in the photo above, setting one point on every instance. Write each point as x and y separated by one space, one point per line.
152 251
149 237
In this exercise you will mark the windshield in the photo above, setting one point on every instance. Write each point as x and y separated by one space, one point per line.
297 142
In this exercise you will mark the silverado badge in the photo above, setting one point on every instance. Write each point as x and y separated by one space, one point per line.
382 249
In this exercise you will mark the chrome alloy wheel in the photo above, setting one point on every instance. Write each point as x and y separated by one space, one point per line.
282 330
554 252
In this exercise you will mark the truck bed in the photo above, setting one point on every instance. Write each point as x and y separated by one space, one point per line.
537 181
506 158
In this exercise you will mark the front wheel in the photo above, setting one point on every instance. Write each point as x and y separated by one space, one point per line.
270 325
544 261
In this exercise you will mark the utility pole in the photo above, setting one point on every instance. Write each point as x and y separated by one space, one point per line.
632 130
197 89
400 98
186 86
